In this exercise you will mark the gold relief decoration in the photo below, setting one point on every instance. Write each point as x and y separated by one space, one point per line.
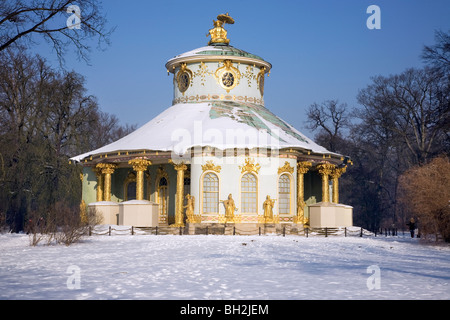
214 97
237 218
184 77
202 72
211 166
286 168
249 75
161 173
228 76
260 80
250 166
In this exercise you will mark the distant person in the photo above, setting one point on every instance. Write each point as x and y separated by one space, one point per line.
412 226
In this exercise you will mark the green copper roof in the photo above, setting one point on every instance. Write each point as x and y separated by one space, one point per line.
226 50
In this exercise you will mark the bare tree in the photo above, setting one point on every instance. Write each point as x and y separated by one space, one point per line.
413 106
24 21
330 119
438 55
61 224
46 117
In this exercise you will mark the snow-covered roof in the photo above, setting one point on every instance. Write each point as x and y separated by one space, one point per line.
220 124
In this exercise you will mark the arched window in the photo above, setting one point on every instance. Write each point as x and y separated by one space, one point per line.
131 191
186 190
129 187
249 193
210 193
284 194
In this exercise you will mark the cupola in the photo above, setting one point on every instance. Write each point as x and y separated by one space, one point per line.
218 72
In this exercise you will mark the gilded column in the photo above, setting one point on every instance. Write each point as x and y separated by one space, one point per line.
107 170
335 175
325 170
83 213
302 168
98 173
180 168
139 165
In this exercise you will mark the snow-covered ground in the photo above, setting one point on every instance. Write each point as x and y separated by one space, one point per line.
224 267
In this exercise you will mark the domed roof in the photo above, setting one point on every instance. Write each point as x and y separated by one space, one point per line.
222 125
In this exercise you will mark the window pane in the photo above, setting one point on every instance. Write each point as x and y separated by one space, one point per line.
284 193
248 193
210 193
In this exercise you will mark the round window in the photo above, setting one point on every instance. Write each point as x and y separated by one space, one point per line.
228 79
183 81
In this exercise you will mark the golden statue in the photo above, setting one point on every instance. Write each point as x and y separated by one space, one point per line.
190 208
230 208
268 209
218 33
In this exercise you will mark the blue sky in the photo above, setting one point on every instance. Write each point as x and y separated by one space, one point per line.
319 49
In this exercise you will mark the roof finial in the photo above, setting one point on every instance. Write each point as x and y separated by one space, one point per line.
218 33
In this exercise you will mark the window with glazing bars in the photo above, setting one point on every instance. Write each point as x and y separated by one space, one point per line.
210 193
249 193
284 194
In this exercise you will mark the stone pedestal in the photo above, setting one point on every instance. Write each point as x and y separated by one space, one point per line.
138 213
107 210
330 215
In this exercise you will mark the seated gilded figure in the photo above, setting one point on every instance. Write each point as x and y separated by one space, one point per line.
218 33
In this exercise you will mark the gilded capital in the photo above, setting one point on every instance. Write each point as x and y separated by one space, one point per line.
303 166
139 164
325 168
178 165
337 172
106 168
